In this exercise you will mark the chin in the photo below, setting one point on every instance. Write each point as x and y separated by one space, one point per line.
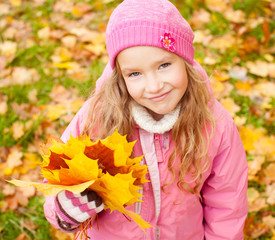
160 113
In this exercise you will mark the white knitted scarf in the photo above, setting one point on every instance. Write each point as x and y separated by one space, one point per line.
145 121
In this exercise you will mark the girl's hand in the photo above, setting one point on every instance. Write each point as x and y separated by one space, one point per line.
73 209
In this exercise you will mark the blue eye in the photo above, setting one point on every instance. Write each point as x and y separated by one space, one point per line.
164 65
134 74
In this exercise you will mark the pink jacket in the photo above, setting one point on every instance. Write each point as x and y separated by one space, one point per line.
220 215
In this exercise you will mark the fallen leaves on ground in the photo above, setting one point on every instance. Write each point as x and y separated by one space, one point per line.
51 53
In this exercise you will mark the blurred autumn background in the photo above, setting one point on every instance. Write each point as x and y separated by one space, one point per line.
51 53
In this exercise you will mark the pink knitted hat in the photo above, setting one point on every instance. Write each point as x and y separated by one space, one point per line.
155 23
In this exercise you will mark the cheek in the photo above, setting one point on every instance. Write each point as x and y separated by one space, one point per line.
134 89
181 81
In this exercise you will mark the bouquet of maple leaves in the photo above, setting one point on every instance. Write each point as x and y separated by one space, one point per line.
103 166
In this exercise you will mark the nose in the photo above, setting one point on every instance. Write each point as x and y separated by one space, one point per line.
153 84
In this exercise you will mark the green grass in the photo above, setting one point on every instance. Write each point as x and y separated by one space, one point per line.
219 25
35 56
12 222
6 121
250 6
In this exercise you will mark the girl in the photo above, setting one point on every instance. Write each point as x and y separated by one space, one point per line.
155 92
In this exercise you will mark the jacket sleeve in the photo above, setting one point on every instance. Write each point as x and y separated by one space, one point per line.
224 194
74 128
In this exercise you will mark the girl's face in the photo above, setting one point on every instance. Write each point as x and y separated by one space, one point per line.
154 77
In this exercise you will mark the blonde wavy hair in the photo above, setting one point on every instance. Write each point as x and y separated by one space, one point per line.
111 109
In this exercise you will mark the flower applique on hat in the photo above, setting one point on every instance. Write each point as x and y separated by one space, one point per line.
168 42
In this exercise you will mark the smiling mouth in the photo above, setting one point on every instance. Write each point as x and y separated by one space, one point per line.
160 97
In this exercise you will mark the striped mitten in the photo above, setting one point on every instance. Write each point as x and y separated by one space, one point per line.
73 209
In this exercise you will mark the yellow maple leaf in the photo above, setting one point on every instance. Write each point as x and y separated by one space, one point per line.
16 3
249 136
51 189
56 111
230 106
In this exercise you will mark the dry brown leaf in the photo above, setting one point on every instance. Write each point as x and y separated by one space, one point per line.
57 34
217 88
255 201
9 33
269 173
32 96
3 107
89 17
97 49
252 195
69 41
257 229
251 44
3 62
220 90
265 146
209 60
268 57
67 118
27 191
237 16
63 6
22 236
29 224
62 235
259 68
32 175
8 48
270 192
21 198
9 203
60 94
3 153
8 190
266 31
22 110
44 33
271 70
17 129
4 8
200 18
202 36
240 121
217 5
220 75
230 106
61 54
257 205
255 166
223 42
14 158
23 76
81 8
269 221
84 34
79 74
